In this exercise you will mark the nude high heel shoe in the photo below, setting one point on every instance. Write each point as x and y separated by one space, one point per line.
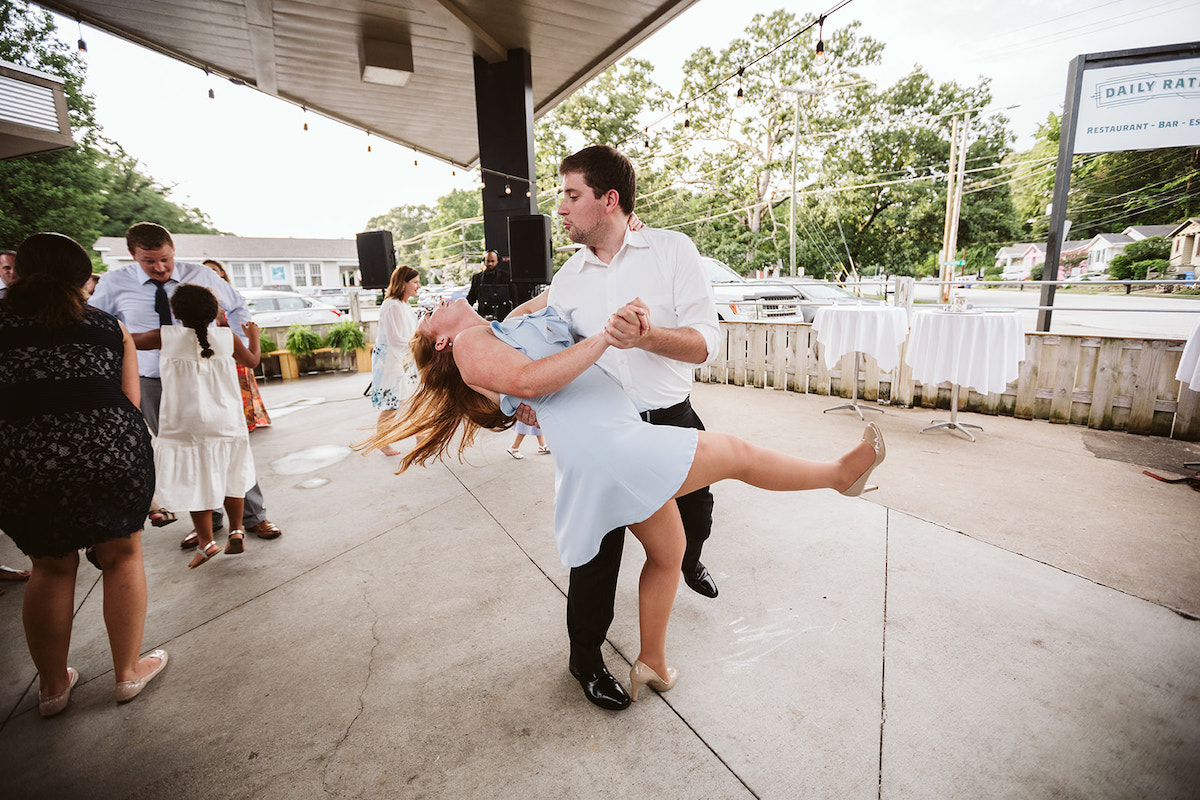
641 675
873 437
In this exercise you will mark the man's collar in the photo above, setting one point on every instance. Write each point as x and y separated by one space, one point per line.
632 239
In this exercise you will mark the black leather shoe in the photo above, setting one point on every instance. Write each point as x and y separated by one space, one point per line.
601 688
699 581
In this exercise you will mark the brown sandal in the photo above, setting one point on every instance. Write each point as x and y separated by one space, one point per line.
236 543
160 517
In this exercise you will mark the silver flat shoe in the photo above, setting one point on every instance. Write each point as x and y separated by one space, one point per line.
49 706
127 690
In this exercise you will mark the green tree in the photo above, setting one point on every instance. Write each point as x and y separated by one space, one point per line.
56 191
92 189
132 196
1109 191
455 241
407 224
738 152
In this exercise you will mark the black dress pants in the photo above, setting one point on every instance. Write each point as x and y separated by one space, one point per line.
593 587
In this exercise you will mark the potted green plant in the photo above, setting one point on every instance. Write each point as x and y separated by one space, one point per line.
302 342
348 337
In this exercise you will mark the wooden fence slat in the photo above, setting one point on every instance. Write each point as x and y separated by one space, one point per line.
1027 378
1104 385
870 390
847 374
1141 412
1064 380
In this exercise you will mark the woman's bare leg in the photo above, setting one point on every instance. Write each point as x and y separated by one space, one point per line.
47 613
125 603
202 522
663 540
385 419
720 456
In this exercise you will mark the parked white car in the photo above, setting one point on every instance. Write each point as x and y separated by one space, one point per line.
277 309
740 300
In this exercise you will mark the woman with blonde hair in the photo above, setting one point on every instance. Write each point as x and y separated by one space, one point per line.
613 468
393 374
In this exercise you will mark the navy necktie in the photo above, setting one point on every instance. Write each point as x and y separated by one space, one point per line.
161 304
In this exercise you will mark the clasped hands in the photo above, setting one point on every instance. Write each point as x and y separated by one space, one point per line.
626 328
628 325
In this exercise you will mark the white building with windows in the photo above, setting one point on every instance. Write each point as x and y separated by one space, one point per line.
306 265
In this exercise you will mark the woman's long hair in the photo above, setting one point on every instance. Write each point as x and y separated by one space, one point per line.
51 271
400 276
441 404
196 307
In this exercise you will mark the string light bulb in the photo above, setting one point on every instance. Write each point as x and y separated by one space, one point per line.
687 120
740 97
507 188
82 43
305 110
819 59
368 141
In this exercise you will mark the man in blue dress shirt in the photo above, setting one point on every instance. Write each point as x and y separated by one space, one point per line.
138 294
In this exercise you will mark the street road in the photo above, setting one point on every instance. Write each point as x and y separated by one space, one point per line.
1151 316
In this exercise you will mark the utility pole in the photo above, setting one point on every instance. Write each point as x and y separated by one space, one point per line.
955 173
795 141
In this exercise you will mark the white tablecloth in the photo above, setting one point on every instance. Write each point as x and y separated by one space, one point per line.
977 349
1189 365
876 330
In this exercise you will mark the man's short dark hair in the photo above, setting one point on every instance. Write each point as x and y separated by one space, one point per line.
604 168
148 236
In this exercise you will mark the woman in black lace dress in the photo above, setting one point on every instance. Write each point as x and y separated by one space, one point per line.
76 468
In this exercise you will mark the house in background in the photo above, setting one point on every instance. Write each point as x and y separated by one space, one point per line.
1102 249
1185 250
1139 232
305 264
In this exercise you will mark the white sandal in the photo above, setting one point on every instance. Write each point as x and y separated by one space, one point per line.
206 553
514 453
544 450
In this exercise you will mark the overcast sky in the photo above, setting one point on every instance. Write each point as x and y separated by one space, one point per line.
244 160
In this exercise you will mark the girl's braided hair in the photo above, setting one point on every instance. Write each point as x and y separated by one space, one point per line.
196 307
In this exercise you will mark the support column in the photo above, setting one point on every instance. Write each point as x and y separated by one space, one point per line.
504 110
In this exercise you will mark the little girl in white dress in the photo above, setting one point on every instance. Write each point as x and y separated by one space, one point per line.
202 454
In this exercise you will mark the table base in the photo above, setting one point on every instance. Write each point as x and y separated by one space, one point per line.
856 407
853 404
953 424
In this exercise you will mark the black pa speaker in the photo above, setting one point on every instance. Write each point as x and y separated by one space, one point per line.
529 248
376 259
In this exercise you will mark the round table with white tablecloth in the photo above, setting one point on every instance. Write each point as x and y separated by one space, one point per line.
981 350
876 330
1189 365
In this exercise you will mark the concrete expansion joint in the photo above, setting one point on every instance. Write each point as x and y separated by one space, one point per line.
366 597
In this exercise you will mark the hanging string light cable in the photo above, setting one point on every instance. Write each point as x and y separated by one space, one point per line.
741 70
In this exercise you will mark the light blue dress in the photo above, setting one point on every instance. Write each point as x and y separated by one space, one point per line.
612 469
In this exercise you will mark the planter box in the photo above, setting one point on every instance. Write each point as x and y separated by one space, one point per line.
323 359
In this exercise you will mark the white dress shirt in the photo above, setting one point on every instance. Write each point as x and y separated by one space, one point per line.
128 294
663 269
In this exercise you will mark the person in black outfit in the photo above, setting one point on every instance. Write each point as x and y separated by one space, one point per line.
76 468
491 292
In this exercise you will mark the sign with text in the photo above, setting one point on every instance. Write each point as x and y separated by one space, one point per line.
1139 107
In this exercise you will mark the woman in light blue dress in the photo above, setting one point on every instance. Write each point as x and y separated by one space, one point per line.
613 469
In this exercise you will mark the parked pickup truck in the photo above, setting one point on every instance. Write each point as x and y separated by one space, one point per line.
738 300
